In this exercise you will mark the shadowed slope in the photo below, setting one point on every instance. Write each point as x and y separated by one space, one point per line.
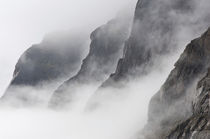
56 58
105 50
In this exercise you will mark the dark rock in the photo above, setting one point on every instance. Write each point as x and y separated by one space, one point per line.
57 57
197 126
106 46
173 102
153 35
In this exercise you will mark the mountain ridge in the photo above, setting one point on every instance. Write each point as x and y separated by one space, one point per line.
178 91
105 50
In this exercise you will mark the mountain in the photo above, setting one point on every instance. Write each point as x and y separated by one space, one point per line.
197 126
174 101
154 34
56 58
106 48
180 109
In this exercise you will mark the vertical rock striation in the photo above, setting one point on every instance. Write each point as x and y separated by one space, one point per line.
174 100
155 33
198 125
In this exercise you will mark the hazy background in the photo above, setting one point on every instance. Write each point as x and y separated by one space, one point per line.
26 22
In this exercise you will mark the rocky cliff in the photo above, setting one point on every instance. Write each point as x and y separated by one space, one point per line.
173 103
106 47
198 125
57 57
153 34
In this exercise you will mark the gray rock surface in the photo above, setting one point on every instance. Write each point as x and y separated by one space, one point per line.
153 36
57 57
173 103
106 48
198 125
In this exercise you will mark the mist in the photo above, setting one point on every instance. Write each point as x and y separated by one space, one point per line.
26 22
119 118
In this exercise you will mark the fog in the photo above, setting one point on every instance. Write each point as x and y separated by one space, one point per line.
119 118
26 22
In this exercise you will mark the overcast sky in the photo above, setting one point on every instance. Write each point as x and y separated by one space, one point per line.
25 22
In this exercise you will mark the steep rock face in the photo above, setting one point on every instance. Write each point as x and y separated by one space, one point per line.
153 34
57 57
105 50
174 100
198 125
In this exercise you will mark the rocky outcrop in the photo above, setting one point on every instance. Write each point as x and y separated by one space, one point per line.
57 57
106 47
174 100
198 125
153 34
